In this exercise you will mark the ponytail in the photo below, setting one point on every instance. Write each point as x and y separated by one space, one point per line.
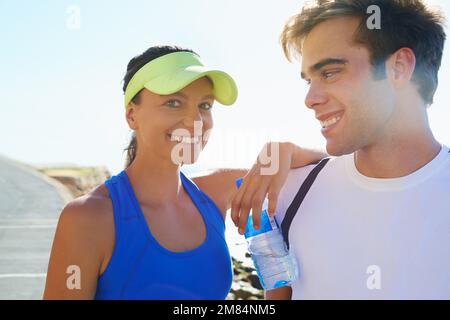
131 150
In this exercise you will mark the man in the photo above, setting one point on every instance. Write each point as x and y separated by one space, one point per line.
373 222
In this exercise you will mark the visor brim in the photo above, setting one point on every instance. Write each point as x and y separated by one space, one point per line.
224 87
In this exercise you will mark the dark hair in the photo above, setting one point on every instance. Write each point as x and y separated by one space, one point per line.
133 66
404 23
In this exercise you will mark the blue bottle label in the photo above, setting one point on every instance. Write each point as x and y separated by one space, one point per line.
267 224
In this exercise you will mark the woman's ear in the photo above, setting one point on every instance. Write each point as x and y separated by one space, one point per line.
130 116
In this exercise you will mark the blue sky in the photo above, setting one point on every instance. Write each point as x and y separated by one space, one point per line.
62 93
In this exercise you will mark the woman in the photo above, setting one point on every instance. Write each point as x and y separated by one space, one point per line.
150 232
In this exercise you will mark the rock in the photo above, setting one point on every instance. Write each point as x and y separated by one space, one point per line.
79 180
254 281
245 286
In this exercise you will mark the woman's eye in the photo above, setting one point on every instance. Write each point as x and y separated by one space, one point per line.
205 106
173 103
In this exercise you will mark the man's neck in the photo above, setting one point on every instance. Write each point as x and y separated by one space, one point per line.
397 157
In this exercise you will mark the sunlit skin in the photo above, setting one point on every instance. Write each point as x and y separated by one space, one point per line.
156 117
383 121
171 215
85 235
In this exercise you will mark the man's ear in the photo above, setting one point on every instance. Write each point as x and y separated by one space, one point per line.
400 66
130 115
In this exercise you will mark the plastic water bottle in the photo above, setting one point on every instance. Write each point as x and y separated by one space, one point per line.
275 266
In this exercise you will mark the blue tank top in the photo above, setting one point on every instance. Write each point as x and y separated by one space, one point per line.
140 268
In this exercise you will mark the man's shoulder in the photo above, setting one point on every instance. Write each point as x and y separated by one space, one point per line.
297 177
445 164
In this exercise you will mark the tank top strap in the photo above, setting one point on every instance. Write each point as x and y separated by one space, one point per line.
117 185
210 211
128 246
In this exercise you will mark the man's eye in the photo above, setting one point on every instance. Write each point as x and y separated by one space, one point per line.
205 106
173 103
329 74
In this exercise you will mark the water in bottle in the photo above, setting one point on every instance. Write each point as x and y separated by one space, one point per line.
275 266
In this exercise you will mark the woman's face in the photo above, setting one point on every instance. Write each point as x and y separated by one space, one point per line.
173 127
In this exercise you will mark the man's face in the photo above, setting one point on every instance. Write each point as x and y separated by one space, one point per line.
354 110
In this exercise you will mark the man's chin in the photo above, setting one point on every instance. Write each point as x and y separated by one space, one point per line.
336 149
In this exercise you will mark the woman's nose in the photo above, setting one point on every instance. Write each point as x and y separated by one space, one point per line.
193 119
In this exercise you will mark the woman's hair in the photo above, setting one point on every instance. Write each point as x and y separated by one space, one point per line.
133 66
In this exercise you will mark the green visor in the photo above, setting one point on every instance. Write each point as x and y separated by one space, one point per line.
174 71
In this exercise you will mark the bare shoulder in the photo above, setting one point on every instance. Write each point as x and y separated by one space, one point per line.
94 207
90 217
84 238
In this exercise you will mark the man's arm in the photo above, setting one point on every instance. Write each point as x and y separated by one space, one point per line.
283 293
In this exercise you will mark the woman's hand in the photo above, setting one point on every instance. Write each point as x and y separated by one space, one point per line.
267 177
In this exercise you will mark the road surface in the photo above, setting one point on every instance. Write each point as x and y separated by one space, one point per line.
30 204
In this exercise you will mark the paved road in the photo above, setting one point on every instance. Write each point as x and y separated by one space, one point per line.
30 204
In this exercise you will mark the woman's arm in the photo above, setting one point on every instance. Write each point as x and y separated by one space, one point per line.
220 184
76 257
266 178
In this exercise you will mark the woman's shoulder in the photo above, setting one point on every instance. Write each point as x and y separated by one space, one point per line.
94 203
85 230
91 212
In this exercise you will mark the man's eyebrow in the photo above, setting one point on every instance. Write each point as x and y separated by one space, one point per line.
324 62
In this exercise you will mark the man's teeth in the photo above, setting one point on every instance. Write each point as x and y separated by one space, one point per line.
329 122
185 139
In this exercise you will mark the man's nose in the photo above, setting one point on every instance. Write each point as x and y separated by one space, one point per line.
316 96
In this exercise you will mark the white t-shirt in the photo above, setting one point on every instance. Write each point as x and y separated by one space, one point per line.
356 237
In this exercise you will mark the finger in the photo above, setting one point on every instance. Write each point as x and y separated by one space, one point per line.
246 205
272 196
236 204
257 203
275 188
262 185
236 201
